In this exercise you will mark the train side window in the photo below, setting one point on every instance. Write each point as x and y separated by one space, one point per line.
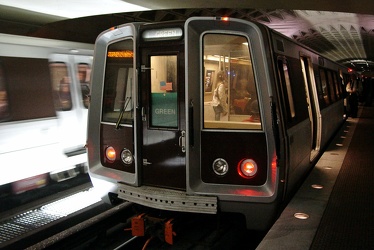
84 74
28 88
164 98
325 92
229 87
118 83
4 102
331 86
285 79
336 84
61 82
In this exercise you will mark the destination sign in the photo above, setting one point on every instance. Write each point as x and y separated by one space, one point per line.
162 34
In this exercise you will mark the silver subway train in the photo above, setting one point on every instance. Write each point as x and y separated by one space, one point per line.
44 88
208 115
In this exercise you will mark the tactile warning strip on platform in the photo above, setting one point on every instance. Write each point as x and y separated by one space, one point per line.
35 218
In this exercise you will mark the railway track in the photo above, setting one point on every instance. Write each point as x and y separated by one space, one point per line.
118 228
57 225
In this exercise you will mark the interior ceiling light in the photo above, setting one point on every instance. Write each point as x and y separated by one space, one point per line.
74 8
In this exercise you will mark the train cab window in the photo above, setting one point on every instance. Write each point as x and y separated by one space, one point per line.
229 87
84 73
61 85
118 83
164 101
4 102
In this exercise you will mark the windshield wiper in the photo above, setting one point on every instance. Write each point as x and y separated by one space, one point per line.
124 106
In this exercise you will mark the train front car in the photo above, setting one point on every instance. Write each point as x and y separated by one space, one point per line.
181 118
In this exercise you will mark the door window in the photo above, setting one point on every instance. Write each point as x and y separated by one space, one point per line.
164 99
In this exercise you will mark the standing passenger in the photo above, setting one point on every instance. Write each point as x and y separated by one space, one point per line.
352 96
219 96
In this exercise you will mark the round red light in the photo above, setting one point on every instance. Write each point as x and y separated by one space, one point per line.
247 168
110 154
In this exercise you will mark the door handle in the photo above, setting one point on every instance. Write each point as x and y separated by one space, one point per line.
182 141
146 162
144 118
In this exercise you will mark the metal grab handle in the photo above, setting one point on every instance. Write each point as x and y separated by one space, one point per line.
182 141
146 162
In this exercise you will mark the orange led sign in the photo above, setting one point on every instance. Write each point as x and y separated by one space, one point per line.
121 54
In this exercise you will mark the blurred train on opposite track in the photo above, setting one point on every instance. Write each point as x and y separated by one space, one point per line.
154 137
44 99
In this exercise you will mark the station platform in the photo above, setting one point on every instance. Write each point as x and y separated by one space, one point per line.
334 208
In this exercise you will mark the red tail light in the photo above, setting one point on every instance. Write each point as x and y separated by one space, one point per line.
110 154
247 168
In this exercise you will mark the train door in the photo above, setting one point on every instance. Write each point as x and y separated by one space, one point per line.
70 83
313 105
162 89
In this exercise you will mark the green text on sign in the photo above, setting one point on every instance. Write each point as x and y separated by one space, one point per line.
164 110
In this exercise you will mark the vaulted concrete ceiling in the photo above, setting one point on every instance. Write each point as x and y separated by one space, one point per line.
342 30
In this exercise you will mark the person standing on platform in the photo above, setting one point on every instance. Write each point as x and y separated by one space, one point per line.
351 89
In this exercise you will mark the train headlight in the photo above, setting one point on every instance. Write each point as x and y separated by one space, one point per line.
110 154
247 168
220 166
126 156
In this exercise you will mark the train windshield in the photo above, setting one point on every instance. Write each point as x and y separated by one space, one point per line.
118 83
230 93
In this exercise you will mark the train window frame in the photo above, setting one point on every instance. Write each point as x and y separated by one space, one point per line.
250 119
124 113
